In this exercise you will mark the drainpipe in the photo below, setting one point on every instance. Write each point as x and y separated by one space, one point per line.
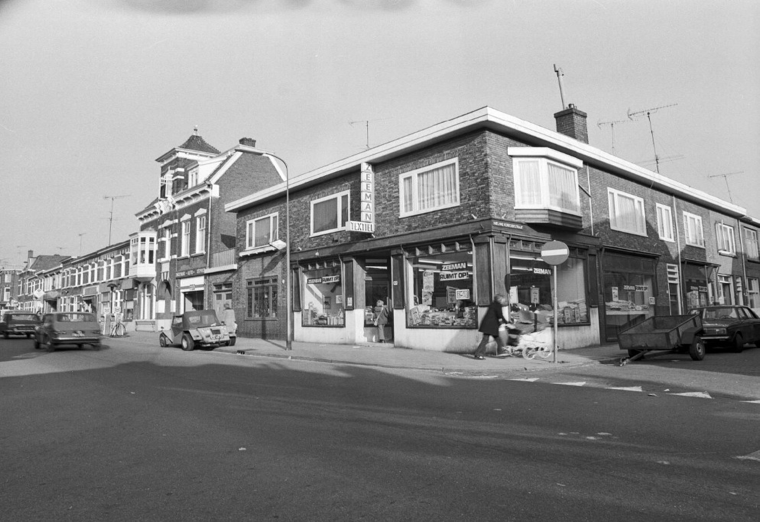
208 246
745 286
680 264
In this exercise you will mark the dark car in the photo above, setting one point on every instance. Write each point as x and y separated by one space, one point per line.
726 325
197 328
68 328
19 323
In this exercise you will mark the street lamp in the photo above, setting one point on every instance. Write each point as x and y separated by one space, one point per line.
288 342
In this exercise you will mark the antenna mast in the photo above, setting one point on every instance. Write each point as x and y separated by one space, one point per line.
110 219
366 125
612 128
560 74
648 112
725 177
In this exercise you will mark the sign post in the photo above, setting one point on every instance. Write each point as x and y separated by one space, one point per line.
554 253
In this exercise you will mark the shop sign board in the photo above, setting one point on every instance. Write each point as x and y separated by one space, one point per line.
454 276
323 280
367 203
555 253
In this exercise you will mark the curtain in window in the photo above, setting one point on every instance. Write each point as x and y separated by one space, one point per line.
407 191
529 177
436 188
326 215
262 230
627 213
750 237
562 188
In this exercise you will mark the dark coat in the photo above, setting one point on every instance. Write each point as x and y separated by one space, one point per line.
493 318
382 315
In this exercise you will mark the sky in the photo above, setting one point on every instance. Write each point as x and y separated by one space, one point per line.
93 91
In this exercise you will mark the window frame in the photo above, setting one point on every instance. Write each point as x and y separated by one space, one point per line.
724 236
269 284
250 231
414 175
661 210
638 202
200 234
752 248
698 221
185 236
339 197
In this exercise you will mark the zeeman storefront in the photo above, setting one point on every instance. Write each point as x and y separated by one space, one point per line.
437 290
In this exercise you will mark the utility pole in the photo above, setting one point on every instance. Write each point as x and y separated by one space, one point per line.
648 112
560 74
725 177
612 128
110 220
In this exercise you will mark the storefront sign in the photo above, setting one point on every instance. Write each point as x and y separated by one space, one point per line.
629 288
191 272
463 294
323 280
454 266
453 276
367 202
516 226
542 271
641 288
534 295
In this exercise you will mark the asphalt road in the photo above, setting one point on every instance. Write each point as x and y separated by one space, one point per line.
136 432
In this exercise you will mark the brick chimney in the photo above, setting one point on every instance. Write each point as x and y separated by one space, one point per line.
248 142
572 122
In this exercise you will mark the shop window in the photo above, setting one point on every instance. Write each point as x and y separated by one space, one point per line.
261 232
626 213
725 237
430 188
693 232
665 222
323 297
629 291
377 287
261 298
329 214
443 292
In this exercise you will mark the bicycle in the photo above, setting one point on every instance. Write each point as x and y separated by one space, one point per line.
118 330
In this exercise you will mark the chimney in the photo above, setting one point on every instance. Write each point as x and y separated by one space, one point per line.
572 122
30 254
248 142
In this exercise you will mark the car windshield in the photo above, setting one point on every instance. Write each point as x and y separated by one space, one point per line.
204 319
75 318
721 313
23 317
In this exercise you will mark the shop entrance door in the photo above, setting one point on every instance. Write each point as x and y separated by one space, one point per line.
222 296
377 287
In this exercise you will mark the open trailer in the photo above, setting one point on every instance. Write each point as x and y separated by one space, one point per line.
665 334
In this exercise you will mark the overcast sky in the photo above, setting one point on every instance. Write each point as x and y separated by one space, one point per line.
93 91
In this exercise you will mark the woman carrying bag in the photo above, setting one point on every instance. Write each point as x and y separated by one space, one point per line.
381 319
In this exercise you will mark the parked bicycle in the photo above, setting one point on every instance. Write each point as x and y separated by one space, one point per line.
117 327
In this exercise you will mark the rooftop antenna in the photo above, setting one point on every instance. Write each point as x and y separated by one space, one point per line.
648 112
80 243
612 128
560 74
110 219
725 177
366 124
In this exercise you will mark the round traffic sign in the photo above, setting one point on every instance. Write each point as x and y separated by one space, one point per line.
554 252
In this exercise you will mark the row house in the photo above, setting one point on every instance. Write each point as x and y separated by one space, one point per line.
9 288
32 279
436 223
183 256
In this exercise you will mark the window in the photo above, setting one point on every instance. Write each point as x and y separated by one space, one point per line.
323 295
725 235
692 225
430 188
261 232
329 214
664 222
753 292
262 298
167 243
185 238
443 287
750 242
626 213
200 234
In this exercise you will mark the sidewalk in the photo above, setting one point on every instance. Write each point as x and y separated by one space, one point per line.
387 356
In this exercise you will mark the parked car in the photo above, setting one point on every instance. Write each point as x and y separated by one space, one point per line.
729 325
71 328
19 323
197 328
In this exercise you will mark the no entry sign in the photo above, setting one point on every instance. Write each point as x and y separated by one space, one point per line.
555 253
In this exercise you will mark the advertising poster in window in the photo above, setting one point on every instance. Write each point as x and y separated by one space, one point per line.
443 289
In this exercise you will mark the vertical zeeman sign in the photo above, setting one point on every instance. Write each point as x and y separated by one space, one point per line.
367 223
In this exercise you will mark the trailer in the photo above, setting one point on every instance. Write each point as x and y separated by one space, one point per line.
666 334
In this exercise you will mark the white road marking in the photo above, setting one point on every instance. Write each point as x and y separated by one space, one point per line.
579 383
751 456
527 379
701 395
627 388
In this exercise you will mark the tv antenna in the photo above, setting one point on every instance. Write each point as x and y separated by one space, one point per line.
725 177
366 125
612 128
80 243
110 219
648 112
560 74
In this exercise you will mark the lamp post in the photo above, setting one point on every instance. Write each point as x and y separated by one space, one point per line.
288 341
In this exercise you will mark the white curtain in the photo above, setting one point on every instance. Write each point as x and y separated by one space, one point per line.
436 188
529 181
563 191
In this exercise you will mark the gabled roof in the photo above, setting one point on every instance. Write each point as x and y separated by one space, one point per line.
47 262
196 142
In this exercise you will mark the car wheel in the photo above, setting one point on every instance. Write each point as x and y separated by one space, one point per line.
187 343
697 349
5 334
36 343
738 344
233 340
162 340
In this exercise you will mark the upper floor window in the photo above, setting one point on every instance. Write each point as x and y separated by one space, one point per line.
545 179
185 238
262 231
430 188
200 234
626 213
725 235
329 214
692 225
665 222
750 244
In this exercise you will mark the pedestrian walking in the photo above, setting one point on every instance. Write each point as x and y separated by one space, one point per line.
381 319
228 318
489 326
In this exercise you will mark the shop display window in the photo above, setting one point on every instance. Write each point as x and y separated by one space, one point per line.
443 292
629 293
323 298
